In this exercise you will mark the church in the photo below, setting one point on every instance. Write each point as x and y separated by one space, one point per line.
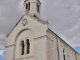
31 38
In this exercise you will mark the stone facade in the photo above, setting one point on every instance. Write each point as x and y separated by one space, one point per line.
44 43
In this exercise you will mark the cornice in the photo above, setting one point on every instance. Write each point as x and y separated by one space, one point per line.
10 45
40 37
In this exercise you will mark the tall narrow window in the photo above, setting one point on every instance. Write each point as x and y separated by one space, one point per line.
29 6
63 54
26 6
52 44
63 51
38 8
22 42
28 46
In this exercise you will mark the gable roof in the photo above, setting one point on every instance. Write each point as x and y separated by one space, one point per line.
31 16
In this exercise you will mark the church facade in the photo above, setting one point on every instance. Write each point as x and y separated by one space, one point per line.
31 39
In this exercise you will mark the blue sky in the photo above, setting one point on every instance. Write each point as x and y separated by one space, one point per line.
77 49
2 53
63 17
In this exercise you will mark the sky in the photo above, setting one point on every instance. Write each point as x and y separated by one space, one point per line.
63 17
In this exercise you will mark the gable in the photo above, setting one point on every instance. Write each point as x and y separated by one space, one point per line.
38 27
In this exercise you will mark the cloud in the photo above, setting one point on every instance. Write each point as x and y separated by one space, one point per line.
64 20
2 40
7 18
1 53
63 17
21 5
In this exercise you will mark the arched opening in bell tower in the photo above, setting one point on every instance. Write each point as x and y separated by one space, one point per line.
28 6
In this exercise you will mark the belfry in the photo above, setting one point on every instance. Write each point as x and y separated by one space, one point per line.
32 7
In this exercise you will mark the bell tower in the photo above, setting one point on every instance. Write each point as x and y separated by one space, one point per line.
32 7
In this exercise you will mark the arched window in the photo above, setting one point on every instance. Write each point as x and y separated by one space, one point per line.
52 43
64 54
28 46
28 6
22 45
25 48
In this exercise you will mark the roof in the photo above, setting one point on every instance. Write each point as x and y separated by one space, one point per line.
62 40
